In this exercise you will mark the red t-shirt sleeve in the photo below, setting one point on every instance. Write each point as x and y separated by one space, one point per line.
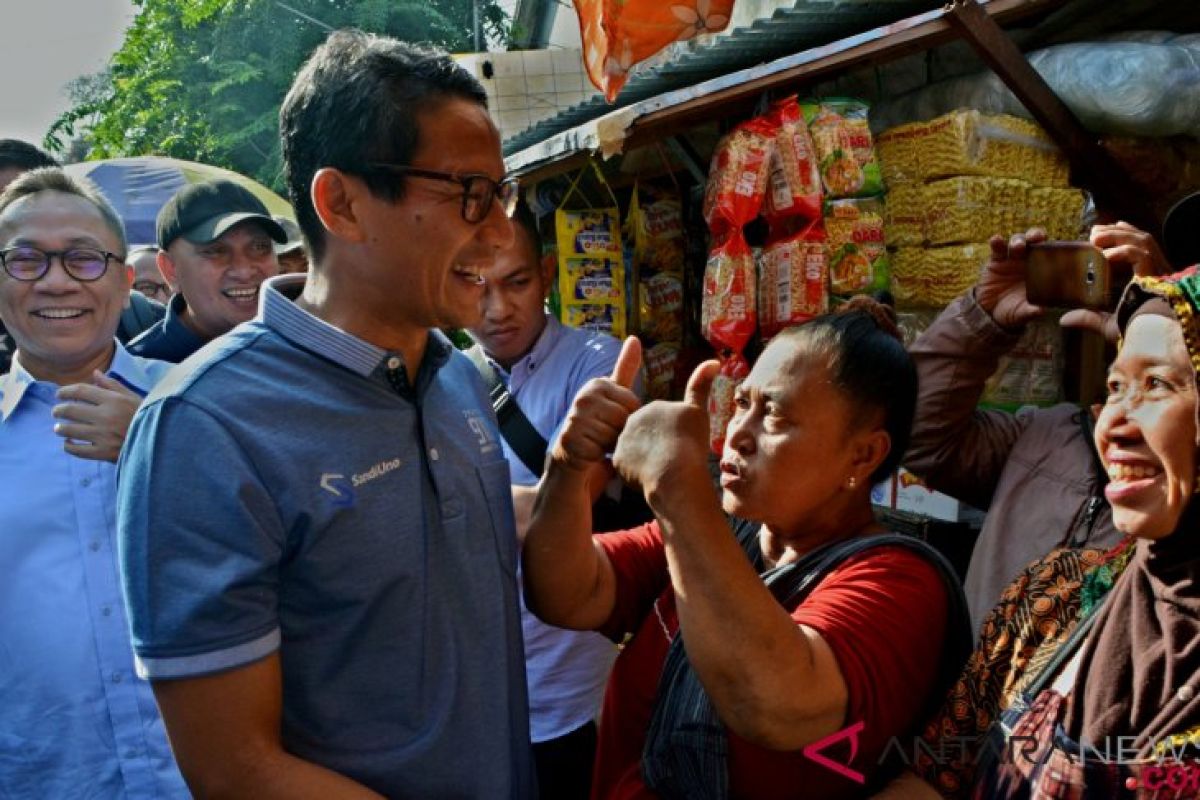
883 613
639 561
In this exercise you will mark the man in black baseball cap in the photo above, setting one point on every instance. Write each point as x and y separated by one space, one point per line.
216 246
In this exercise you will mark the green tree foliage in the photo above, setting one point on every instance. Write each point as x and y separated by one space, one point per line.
203 79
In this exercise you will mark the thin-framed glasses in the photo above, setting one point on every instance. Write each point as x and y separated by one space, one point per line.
84 264
479 191
152 289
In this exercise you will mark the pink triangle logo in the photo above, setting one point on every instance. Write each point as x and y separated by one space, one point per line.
813 752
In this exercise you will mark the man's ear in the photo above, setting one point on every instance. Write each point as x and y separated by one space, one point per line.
167 267
128 286
549 268
335 197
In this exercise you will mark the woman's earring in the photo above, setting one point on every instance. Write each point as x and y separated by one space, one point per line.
851 482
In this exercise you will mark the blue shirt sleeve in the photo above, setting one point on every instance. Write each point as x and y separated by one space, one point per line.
200 545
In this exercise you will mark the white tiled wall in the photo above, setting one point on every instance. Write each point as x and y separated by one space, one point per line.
528 86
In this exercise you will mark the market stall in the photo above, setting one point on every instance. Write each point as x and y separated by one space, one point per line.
759 198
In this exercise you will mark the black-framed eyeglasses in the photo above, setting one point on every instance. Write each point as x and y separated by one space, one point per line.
151 288
84 264
479 191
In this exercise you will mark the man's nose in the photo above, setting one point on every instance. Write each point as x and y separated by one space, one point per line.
496 229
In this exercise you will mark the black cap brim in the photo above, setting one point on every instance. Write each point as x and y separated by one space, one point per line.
214 228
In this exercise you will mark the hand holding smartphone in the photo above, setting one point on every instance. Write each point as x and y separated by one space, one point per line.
1072 275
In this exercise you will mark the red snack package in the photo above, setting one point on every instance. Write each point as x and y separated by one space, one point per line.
734 370
793 280
794 174
737 178
728 310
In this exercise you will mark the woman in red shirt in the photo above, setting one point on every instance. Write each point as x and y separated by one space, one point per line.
780 661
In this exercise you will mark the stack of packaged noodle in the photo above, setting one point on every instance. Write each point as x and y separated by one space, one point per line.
955 181
737 185
655 227
591 269
853 183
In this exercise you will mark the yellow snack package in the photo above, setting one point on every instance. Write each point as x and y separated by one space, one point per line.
591 269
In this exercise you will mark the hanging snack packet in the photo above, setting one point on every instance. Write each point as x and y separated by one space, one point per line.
661 361
795 179
793 280
594 280
603 317
655 223
844 148
737 178
588 232
858 260
591 269
728 310
734 370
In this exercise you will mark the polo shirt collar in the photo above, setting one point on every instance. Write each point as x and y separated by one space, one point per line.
16 383
537 355
280 313
177 337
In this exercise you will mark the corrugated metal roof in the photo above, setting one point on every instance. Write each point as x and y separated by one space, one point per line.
810 23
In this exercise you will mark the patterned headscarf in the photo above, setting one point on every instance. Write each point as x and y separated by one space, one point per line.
1140 673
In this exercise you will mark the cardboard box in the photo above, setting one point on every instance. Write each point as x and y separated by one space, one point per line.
913 496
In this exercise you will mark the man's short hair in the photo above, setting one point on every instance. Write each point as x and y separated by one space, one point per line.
356 101
524 217
23 155
53 179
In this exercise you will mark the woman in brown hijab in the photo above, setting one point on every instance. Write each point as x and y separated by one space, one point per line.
1086 684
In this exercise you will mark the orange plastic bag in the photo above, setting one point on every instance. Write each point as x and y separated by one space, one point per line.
617 34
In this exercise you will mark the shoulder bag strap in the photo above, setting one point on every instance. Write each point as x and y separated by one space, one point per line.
529 445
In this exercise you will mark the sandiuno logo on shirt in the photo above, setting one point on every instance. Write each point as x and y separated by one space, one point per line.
342 488
483 435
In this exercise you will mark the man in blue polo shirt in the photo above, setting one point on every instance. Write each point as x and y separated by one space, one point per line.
75 721
543 365
216 245
324 595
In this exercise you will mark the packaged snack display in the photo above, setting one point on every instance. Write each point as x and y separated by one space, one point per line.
734 370
904 219
591 269
594 280
969 142
594 231
728 312
845 151
655 223
661 361
858 260
737 179
795 178
793 280
605 318
932 277
1031 373
899 151
972 209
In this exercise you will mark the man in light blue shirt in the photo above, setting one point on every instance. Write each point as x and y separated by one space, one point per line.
543 364
76 721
